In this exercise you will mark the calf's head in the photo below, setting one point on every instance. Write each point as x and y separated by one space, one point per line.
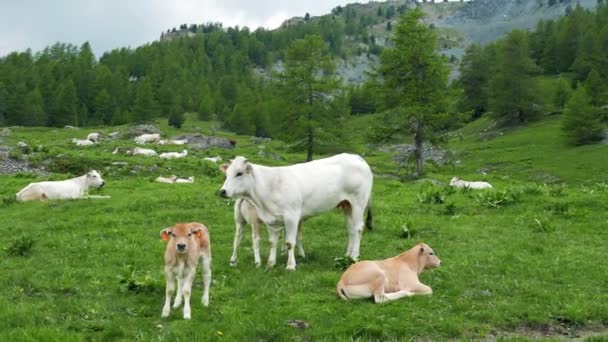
454 180
94 179
181 236
428 258
238 177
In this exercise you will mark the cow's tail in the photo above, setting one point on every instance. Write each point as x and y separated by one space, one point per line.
341 291
368 219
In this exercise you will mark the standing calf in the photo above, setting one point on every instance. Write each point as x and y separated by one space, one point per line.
186 243
389 279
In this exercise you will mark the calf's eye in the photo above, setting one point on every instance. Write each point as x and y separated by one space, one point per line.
238 174
431 253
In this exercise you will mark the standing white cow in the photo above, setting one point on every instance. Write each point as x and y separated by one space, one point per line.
94 137
66 189
288 194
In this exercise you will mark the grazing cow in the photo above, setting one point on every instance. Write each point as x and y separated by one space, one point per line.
213 159
144 152
174 155
388 279
245 213
66 189
185 180
94 137
458 183
186 243
122 150
171 179
289 194
80 142
147 138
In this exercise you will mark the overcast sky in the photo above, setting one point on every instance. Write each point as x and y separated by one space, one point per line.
109 24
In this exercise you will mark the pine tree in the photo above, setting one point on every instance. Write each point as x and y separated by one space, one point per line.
144 108
414 82
3 103
511 87
176 115
562 93
205 107
595 88
581 122
103 107
34 114
308 87
474 75
65 109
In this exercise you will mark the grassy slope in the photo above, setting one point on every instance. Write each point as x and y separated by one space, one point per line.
512 270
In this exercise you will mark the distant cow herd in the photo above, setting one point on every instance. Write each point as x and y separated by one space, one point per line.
278 197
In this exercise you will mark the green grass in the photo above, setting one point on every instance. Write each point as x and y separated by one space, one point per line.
92 269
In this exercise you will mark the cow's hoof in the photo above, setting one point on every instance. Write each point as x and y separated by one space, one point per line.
232 263
290 268
258 264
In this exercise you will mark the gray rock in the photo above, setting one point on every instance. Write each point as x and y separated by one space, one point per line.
114 135
259 140
203 142
270 155
70 127
25 148
5 132
10 166
404 152
138 130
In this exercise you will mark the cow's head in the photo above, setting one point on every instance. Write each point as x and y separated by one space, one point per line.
181 236
94 179
428 258
454 180
238 177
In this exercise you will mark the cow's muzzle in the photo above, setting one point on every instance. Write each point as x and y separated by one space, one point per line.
223 193
102 184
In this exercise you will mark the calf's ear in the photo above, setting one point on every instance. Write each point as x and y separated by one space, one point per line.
165 234
421 250
224 167
248 168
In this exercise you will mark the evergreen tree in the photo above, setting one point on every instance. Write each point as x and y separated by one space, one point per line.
34 114
65 109
103 107
562 93
3 103
414 81
176 115
511 87
308 88
581 122
144 108
205 107
474 74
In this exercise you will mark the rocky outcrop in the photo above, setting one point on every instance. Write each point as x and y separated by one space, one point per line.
203 142
138 130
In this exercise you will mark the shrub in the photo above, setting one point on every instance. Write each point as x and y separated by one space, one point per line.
561 209
138 282
21 246
535 189
497 199
558 190
343 263
542 225
73 165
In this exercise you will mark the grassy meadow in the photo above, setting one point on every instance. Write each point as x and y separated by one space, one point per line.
526 260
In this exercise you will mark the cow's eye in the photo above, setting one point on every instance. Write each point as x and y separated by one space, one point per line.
189 234
239 174
431 253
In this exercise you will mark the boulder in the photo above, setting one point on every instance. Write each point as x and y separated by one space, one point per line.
203 142
138 130
5 132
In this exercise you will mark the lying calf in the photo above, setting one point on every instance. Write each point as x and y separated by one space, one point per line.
186 243
459 183
388 279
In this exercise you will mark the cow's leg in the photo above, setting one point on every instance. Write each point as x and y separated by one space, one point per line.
178 296
255 240
238 236
421 289
354 220
383 297
206 265
291 232
273 234
169 288
187 291
299 243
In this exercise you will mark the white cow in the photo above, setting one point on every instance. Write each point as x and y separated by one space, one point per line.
288 194
66 189
147 138
173 155
171 179
94 137
144 152
213 159
173 142
184 180
458 183
245 213
80 142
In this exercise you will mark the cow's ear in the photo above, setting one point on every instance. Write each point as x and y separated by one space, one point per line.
165 234
224 167
421 250
198 233
248 168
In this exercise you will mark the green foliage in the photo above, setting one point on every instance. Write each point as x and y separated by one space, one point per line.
34 113
562 93
138 282
596 88
144 108
497 199
474 75
511 87
342 263
21 246
581 122
65 107
413 83
74 165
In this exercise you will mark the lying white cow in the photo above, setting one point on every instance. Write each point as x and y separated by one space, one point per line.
66 189
289 194
94 137
147 138
173 155
458 183
388 279
185 180
173 142
213 159
171 179
245 213
80 142
144 152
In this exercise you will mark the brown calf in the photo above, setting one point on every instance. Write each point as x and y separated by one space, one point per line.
389 279
186 243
